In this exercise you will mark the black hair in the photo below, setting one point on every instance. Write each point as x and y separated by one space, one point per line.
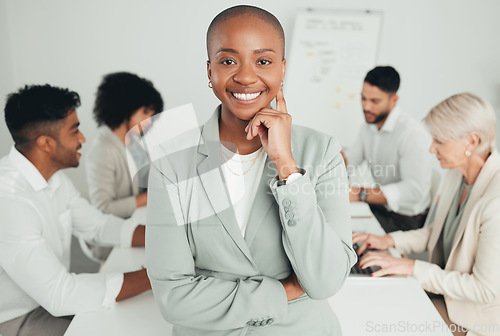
246 11
35 110
120 94
386 78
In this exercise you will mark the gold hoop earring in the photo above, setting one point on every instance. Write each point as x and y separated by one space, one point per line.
210 84
282 83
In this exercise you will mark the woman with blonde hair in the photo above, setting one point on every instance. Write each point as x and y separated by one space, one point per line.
462 233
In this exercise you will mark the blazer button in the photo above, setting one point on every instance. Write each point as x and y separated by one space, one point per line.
270 321
251 323
291 223
289 215
287 209
286 202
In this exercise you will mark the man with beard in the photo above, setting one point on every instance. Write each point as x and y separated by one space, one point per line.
40 210
395 147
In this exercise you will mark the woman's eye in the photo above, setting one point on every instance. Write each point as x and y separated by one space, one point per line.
264 62
228 62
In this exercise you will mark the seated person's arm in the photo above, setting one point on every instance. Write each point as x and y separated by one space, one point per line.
134 283
107 230
139 236
141 200
482 284
372 195
28 257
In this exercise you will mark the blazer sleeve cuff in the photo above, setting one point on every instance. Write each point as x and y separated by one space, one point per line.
421 272
398 237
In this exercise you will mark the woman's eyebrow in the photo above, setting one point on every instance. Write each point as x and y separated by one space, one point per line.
234 51
260 51
256 51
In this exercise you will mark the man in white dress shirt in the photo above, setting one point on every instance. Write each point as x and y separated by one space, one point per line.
40 211
396 149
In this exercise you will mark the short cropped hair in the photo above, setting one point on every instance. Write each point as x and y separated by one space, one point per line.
120 94
461 114
35 110
386 78
246 11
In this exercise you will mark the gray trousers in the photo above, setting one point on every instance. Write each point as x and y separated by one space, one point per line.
37 322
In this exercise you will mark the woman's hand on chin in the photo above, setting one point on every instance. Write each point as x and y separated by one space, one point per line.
274 129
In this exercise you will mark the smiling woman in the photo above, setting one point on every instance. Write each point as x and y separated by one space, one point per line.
282 246
246 76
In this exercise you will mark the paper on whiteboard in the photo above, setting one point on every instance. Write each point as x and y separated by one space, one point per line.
330 54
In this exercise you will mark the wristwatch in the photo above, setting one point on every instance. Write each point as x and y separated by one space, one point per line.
363 195
284 181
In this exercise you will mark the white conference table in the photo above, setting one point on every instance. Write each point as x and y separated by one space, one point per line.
386 306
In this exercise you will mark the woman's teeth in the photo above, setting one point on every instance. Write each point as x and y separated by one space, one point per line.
246 96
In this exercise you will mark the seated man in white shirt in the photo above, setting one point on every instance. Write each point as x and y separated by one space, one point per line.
40 210
395 146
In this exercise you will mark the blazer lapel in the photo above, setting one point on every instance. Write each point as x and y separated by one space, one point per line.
477 192
442 210
264 198
262 203
214 183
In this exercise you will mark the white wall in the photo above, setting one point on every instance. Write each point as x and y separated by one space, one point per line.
6 75
440 47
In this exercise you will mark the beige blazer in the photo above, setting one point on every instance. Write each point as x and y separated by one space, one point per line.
110 187
470 280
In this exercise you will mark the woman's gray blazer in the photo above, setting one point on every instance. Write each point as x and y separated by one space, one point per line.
210 280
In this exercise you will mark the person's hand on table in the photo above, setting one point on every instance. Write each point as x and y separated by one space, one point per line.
372 241
387 263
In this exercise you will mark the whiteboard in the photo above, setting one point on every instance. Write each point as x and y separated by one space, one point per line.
331 52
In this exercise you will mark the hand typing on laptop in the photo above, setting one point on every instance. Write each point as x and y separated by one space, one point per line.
371 241
370 258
